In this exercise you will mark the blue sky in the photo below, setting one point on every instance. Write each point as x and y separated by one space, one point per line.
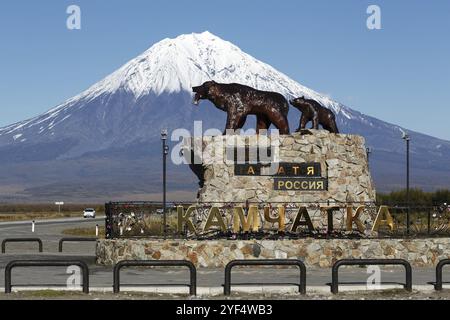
399 74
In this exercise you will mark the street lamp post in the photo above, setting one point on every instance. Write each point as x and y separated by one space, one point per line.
165 151
407 138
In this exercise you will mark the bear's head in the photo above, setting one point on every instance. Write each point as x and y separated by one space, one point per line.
298 102
202 92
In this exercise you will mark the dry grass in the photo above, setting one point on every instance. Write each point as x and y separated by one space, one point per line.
21 212
48 207
38 216
85 232
45 294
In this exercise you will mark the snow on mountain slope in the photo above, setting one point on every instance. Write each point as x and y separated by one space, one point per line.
175 65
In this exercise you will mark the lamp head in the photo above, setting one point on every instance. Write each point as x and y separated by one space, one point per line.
164 134
405 136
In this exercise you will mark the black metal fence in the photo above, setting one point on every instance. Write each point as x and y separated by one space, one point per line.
46 263
136 219
227 285
37 240
423 221
157 263
368 262
265 262
145 220
438 284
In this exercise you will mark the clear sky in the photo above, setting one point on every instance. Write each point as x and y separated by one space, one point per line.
399 74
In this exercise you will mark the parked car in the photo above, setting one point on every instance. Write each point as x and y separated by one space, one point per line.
89 213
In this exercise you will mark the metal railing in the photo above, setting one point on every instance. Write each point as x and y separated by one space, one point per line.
46 263
227 285
266 262
61 241
156 263
419 221
142 219
39 241
439 267
145 219
367 262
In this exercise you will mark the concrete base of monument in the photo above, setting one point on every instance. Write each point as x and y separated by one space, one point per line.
321 253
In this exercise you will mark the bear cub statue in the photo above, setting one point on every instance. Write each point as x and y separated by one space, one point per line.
313 111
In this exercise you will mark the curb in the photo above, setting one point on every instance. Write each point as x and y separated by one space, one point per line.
218 291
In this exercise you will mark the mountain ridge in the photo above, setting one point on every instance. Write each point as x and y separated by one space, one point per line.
130 106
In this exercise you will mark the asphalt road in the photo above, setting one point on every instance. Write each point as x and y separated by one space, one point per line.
63 221
101 276
49 231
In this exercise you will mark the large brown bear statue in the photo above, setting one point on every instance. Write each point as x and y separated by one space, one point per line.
239 101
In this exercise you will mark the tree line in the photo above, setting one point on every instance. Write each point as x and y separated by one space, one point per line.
416 197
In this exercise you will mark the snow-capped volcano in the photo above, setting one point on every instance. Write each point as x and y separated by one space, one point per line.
127 109
173 66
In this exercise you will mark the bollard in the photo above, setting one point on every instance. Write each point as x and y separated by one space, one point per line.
32 226
96 230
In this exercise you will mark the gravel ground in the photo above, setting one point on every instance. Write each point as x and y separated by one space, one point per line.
380 295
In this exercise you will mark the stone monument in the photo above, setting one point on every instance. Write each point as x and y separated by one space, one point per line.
306 195
312 166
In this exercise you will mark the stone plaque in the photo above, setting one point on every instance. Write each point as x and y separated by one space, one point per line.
301 184
283 169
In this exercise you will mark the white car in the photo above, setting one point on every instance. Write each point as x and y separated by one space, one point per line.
89 213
